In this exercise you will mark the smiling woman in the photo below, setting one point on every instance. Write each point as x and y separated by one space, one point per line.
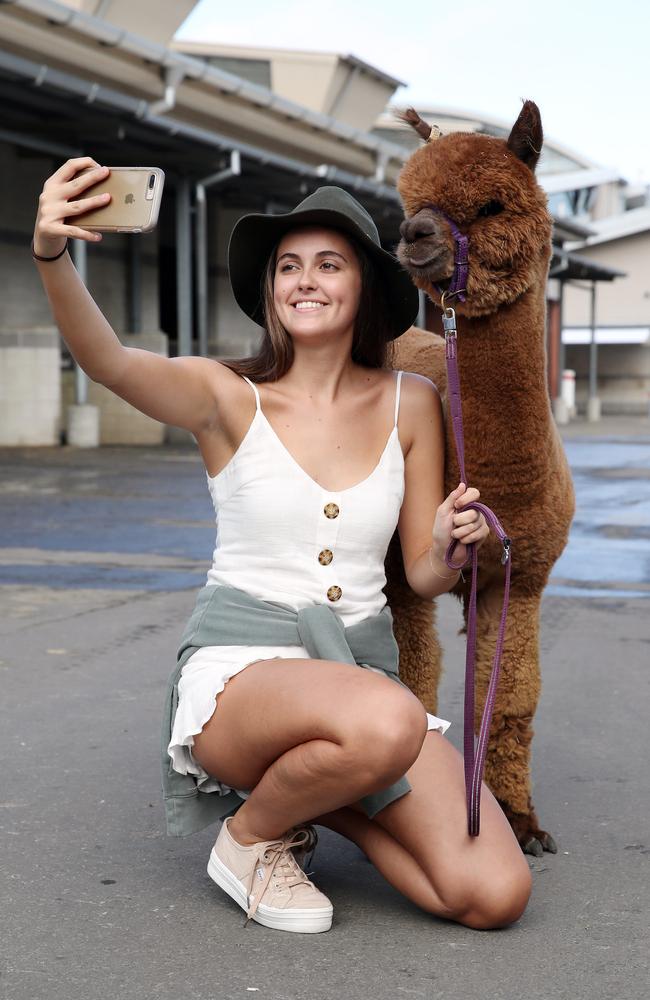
322 286
281 710
283 267
285 706
387 301
305 512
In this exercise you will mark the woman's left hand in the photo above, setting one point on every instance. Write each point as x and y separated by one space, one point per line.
452 522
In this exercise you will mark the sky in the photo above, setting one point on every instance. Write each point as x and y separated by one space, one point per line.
584 62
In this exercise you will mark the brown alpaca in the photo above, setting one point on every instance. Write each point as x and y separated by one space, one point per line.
514 454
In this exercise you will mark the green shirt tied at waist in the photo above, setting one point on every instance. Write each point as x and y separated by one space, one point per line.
225 616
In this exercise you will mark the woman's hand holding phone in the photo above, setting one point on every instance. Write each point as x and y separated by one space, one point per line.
61 199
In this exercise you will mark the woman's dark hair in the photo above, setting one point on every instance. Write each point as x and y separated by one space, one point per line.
372 339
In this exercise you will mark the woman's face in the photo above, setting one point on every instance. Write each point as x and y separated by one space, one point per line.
319 266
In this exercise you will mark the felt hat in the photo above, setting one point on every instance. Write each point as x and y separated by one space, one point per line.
255 235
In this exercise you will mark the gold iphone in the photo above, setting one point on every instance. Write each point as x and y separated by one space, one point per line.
135 201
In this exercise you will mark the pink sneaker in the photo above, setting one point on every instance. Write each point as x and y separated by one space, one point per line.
267 881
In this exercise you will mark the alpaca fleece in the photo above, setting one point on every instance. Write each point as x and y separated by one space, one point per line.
513 451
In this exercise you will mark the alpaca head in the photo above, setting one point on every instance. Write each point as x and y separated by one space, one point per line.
488 187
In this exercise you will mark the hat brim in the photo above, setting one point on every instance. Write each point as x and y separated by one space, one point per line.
254 236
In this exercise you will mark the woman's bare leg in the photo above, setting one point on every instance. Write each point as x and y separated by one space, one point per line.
421 845
398 867
307 736
304 754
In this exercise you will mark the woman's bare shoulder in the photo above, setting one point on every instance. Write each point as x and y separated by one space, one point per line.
420 413
234 410
419 387
230 390
420 398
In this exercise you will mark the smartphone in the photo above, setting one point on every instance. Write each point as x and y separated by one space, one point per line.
135 192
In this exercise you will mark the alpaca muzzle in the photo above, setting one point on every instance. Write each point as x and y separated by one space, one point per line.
424 226
458 283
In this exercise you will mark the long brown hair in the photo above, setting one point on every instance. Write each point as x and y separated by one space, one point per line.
371 344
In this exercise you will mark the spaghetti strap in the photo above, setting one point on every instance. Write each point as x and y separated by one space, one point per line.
397 394
257 395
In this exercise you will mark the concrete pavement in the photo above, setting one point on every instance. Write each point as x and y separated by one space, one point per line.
101 554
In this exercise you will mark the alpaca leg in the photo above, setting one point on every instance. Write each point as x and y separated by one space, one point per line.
420 657
507 765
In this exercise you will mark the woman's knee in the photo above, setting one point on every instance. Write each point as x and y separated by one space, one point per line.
495 901
389 736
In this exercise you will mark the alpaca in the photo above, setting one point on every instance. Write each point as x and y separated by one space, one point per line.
514 454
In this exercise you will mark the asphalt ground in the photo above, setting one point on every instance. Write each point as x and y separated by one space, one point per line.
101 554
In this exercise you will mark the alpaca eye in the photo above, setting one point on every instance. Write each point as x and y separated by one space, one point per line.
491 208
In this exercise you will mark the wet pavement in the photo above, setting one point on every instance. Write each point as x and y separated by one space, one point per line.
92 509
123 518
101 554
609 546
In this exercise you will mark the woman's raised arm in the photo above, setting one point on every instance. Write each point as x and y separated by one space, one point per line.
179 391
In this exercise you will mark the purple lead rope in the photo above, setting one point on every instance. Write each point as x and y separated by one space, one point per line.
474 758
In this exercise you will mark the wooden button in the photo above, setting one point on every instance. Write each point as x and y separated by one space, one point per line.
325 557
334 593
331 510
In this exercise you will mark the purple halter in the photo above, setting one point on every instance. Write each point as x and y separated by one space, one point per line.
458 285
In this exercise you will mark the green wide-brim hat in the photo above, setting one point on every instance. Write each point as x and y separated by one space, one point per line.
254 237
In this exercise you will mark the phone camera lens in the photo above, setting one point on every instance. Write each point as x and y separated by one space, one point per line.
152 178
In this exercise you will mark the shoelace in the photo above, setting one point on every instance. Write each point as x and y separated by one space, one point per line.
280 864
309 847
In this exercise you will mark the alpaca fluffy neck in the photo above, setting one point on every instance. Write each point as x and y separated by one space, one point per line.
506 404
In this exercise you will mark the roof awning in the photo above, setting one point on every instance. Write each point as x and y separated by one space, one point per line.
570 267
66 115
565 230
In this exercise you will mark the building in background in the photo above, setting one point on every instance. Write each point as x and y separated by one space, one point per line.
75 83
236 130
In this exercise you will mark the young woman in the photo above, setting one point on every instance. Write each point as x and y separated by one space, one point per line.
286 708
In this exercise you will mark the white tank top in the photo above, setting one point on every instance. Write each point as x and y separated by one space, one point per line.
283 538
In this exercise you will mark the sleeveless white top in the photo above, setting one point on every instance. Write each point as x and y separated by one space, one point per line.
284 538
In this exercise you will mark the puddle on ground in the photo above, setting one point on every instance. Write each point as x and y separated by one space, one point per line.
610 535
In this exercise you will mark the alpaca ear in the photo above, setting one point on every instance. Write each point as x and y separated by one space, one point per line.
526 137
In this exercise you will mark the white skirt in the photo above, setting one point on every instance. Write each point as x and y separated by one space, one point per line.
203 677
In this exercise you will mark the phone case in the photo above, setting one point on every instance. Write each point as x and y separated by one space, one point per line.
134 204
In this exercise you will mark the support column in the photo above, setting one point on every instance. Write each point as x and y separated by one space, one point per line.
553 336
421 320
593 402
201 263
82 418
201 242
80 260
183 267
560 409
134 284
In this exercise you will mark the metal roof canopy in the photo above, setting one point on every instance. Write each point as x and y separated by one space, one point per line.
59 110
565 230
64 116
570 267
177 67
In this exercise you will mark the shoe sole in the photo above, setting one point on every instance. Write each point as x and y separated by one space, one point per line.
301 921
